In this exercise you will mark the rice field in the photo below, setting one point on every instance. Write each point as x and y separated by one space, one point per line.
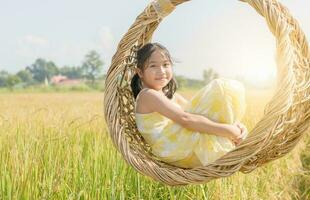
56 146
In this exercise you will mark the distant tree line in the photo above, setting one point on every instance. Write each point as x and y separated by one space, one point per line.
41 71
208 75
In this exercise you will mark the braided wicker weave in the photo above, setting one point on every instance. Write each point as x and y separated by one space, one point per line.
286 117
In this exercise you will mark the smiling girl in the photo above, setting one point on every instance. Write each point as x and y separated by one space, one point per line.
181 132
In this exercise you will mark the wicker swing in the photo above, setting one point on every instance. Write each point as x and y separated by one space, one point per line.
286 117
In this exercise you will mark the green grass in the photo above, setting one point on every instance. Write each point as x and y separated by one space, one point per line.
56 146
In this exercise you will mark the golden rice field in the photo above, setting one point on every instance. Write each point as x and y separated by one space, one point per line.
56 146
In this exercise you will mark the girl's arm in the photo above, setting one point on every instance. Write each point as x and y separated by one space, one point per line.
158 102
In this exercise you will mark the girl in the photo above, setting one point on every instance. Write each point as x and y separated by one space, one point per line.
185 133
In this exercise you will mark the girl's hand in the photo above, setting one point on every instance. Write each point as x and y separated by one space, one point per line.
238 132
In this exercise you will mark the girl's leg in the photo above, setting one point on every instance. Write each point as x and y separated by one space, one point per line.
221 100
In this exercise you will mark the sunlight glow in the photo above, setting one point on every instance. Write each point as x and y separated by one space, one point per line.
263 76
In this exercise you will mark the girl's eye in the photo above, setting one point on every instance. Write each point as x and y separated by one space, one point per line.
165 65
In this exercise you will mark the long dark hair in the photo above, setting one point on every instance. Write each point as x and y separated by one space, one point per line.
143 54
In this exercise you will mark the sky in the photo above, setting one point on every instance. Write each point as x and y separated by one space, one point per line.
228 36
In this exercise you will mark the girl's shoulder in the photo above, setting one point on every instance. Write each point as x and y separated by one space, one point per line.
141 91
142 105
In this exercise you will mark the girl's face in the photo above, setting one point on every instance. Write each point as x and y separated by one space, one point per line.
157 71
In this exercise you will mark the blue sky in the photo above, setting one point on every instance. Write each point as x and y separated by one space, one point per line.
228 36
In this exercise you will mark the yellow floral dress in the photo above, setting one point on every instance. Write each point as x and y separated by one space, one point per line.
221 100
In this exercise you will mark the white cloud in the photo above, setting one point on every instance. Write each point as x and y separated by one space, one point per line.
30 47
35 40
105 44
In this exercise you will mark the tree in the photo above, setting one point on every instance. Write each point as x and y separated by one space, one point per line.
12 80
92 66
209 75
25 76
42 70
3 78
71 72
